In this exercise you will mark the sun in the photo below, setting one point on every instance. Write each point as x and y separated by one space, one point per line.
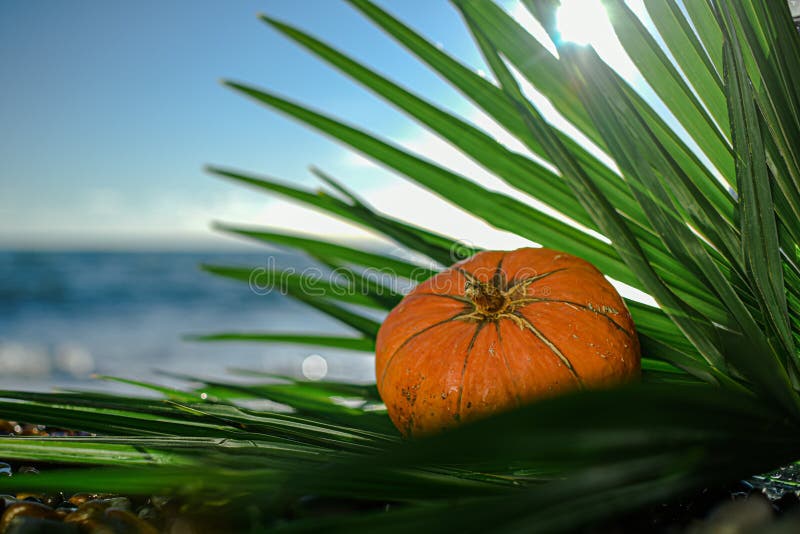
586 23
583 22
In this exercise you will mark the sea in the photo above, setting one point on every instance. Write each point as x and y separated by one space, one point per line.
67 317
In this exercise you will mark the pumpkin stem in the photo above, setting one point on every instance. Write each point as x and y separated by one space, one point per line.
489 300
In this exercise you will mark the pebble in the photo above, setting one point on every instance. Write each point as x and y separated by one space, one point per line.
96 526
80 498
182 526
26 509
149 513
159 501
165 505
65 509
99 517
6 501
130 522
36 525
53 499
86 512
14 428
121 503
789 502
35 497
737 516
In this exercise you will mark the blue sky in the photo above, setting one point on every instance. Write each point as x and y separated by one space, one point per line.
110 110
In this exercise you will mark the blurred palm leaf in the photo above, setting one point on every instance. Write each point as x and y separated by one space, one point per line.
702 218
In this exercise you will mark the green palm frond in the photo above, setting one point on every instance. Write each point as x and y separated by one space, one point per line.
700 210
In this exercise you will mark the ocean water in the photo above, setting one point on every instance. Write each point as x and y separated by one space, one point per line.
65 316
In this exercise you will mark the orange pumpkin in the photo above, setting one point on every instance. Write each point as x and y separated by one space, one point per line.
499 330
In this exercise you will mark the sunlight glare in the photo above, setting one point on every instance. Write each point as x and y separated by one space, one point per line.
582 22
585 23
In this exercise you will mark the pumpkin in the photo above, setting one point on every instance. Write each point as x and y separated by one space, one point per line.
499 330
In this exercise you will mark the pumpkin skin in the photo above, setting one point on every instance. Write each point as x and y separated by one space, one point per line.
499 330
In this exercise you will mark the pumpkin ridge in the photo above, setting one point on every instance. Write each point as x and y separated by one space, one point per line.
478 329
412 336
511 376
532 279
459 298
527 302
544 339
468 275
499 277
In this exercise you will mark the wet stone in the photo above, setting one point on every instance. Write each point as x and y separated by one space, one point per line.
7 427
165 505
26 509
35 525
97 526
53 499
151 514
64 509
85 513
790 502
66 505
129 522
183 526
5 501
742 515
159 501
80 498
34 430
31 497
122 503
5 470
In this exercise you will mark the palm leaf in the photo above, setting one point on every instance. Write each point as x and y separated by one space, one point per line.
339 342
319 247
